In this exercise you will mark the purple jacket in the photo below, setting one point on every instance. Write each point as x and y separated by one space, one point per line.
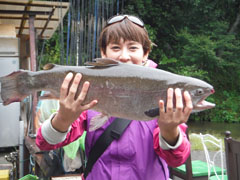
136 155
131 157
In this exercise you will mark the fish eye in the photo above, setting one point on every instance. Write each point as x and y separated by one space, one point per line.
199 91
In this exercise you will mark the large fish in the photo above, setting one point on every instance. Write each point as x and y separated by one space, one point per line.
122 90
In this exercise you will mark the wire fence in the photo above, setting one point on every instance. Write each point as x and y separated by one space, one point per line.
85 20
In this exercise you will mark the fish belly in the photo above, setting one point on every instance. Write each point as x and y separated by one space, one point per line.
126 98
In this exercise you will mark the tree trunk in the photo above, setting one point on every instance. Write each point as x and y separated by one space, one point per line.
235 24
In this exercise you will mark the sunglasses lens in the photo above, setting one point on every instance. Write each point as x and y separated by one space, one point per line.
136 20
121 17
115 19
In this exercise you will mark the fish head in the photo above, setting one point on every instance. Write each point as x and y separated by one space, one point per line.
199 90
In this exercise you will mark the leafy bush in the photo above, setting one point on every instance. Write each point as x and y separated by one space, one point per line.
227 108
50 51
198 58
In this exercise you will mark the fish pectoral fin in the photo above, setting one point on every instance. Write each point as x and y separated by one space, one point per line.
103 62
152 112
98 121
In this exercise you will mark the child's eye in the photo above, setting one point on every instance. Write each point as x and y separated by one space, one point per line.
133 47
115 47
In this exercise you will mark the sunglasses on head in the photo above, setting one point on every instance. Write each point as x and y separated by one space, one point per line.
119 18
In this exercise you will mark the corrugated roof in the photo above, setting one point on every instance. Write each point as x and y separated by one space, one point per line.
47 14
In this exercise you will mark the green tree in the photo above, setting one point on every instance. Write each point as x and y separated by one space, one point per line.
198 38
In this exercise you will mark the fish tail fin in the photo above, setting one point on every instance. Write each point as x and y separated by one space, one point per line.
9 90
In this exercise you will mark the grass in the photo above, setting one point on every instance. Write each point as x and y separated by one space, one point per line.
196 143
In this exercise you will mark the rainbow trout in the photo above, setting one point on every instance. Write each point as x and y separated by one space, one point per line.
122 90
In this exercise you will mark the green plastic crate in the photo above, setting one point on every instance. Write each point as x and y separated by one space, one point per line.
219 177
29 177
200 168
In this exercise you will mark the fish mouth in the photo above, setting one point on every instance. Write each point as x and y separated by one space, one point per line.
203 104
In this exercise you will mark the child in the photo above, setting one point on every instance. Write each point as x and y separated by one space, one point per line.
146 148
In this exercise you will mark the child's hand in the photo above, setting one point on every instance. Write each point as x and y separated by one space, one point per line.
170 118
70 104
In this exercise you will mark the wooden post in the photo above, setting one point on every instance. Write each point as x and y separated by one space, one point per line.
32 40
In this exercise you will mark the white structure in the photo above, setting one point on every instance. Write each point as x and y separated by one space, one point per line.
9 115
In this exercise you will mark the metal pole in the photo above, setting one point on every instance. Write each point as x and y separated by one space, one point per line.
21 149
68 36
117 6
95 28
61 35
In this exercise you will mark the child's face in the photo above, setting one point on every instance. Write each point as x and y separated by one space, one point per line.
126 52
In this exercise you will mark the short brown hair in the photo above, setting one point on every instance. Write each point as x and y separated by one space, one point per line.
126 30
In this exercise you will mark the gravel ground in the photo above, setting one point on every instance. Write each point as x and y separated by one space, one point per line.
4 164
2 159
199 155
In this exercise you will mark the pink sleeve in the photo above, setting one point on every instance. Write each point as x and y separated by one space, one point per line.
173 157
77 129
150 63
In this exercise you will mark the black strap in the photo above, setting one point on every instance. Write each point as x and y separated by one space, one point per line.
113 131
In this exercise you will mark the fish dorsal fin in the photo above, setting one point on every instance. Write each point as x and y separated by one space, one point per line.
48 66
103 62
